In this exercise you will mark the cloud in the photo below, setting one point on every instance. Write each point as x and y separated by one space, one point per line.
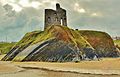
96 14
24 3
28 15
27 3
12 4
78 8
35 4
18 5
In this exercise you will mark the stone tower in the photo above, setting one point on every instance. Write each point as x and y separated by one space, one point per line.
55 17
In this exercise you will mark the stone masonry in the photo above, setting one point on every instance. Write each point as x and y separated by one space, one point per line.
55 17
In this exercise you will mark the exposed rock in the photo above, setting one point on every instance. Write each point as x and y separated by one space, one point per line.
101 42
59 44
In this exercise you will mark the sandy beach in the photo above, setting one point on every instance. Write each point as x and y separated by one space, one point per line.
104 68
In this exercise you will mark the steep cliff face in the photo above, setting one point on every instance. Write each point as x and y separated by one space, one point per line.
101 42
60 44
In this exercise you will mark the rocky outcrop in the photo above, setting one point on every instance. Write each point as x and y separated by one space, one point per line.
101 42
59 44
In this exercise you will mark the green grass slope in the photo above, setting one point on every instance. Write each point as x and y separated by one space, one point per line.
61 36
117 42
59 42
28 39
58 32
5 47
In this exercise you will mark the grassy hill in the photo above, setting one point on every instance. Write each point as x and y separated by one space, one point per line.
58 32
59 43
5 47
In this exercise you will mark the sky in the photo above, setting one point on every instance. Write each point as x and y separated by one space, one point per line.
17 17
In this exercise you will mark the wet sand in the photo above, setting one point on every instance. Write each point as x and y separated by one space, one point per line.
8 67
45 69
45 73
105 66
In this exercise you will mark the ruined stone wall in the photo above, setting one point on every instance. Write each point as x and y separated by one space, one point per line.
55 17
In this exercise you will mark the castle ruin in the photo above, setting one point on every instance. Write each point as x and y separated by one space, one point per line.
55 17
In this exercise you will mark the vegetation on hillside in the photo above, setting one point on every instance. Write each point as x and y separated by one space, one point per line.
101 41
5 47
56 39
97 38
58 32
28 38
117 42
59 43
